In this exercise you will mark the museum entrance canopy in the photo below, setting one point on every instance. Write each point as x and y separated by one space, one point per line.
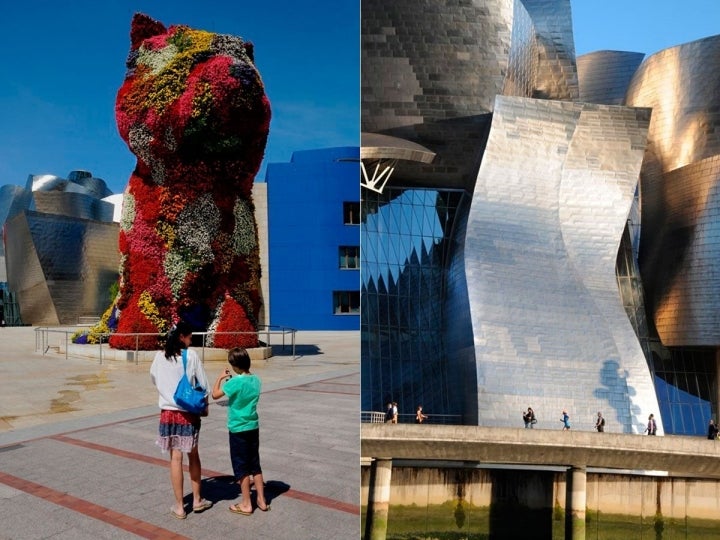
379 155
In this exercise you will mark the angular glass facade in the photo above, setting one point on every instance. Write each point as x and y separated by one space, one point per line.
686 389
404 246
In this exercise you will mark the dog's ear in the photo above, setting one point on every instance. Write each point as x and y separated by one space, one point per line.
144 27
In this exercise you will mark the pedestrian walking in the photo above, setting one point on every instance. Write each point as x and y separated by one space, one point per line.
389 413
529 418
712 430
419 416
394 412
600 423
651 428
565 420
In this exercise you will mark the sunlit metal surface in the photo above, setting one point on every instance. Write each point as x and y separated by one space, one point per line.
430 72
68 203
379 155
604 76
61 243
548 211
680 245
60 267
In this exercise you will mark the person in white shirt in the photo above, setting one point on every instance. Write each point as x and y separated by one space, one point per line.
179 430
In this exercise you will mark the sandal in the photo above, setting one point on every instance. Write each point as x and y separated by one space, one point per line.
204 505
235 509
176 515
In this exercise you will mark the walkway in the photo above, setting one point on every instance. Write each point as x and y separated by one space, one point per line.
684 456
78 459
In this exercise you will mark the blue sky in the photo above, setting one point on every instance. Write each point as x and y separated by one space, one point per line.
646 26
63 62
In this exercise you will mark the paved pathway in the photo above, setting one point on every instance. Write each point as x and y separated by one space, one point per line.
78 460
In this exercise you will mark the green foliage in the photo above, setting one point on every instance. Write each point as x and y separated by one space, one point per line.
113 291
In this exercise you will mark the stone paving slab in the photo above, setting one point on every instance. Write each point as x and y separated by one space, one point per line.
95 472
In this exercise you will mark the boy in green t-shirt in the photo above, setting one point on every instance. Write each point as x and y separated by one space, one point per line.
243 392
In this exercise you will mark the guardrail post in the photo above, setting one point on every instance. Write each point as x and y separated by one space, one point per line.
378 499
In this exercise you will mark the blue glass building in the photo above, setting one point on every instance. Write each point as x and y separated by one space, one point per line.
314 240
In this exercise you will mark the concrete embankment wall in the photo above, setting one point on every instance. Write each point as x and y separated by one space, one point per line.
636 495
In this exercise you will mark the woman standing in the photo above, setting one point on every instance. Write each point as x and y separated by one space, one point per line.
179 429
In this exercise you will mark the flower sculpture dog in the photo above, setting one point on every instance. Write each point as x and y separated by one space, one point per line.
194 112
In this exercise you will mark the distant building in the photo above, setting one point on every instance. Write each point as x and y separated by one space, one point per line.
60 253
314 240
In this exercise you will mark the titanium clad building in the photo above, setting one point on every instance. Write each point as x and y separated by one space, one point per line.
540 258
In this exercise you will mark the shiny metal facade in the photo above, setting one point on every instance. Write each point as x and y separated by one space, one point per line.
680 177
529 306
60 267
61 247
540 249
604 76
430 72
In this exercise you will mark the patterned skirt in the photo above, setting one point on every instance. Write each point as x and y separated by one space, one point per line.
179 430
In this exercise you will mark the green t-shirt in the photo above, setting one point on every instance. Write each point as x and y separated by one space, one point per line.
243 393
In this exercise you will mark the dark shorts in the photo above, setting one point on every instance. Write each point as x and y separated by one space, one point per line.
245 453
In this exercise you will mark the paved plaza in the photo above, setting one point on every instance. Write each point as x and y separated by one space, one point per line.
78 458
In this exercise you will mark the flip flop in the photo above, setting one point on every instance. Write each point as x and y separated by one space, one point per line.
204 505
266 509
178 516
235 510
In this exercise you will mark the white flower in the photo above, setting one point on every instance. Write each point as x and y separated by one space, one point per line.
127 216
244 238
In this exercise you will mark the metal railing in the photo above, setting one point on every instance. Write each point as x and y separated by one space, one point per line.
375 417
42 339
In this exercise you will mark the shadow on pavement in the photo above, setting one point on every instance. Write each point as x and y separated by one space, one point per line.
300 350
217 488
224 488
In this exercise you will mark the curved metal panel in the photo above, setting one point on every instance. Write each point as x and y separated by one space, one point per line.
72 204
430 71
682 256
61 267
552 63
679 247
604 76
550 330
683 89
93 186
46 182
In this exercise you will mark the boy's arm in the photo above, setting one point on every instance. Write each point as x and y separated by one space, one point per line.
217 392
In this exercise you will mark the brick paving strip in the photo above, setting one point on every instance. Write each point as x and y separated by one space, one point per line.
207 473
138 527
